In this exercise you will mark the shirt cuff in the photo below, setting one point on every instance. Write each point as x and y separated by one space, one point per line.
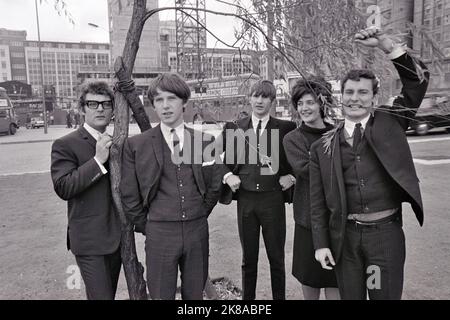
102 167
226 175
398 51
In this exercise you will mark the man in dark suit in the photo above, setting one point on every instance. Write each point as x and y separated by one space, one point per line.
257 174
80 175
169 187
361 173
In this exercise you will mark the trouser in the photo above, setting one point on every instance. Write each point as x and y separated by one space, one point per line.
173 245
372 262
100 274
266 211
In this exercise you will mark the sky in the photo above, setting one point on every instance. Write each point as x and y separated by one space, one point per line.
21 15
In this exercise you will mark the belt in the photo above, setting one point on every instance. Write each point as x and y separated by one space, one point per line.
386 220
373 216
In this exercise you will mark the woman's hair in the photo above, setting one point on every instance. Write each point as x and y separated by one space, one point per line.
318 87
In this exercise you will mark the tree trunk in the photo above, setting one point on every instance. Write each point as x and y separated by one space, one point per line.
123 67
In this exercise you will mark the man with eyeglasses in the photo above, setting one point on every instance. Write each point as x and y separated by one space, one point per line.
80 176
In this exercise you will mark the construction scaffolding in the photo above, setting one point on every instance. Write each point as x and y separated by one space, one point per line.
191 38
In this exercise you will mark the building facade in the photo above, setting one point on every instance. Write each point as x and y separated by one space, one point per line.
434 16
12 52
5 63
62 63
148 59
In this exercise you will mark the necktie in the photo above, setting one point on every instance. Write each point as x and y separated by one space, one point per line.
175 141
356 136
258 132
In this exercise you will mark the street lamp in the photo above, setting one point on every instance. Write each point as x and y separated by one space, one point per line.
42 68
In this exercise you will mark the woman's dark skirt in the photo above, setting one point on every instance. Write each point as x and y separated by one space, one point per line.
305 268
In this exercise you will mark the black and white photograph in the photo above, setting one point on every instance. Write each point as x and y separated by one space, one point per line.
244 151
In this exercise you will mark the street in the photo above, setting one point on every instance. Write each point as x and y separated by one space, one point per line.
34 261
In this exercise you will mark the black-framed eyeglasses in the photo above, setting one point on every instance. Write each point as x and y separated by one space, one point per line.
91 104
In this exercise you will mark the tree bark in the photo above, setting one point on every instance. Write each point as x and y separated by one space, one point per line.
123 67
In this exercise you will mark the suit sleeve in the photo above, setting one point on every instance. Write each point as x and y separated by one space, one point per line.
69 178
227 166
414 77
213 191
129 188
319 210
297 154
285 167
212 175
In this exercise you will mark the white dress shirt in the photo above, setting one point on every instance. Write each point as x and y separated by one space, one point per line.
168 135
349 125
264 122
96 135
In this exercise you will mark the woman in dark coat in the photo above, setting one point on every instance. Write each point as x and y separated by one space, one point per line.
310 98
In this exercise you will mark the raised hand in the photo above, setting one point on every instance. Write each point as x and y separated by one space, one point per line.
373 37
102 148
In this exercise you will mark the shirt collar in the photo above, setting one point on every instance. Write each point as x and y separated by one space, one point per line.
167 130
167 134
264 121
93 132
350 125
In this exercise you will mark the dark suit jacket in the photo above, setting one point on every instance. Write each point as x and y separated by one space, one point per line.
245 123
142 166
385 134
94 227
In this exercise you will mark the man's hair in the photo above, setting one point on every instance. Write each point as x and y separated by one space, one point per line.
170 82
357 74
315 86
96 87
264 88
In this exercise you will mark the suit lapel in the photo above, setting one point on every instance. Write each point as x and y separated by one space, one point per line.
196 168
272 124
337 166
243 124
368 134
87 136
157 142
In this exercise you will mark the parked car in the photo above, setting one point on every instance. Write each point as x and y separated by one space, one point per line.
431 115
36 122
